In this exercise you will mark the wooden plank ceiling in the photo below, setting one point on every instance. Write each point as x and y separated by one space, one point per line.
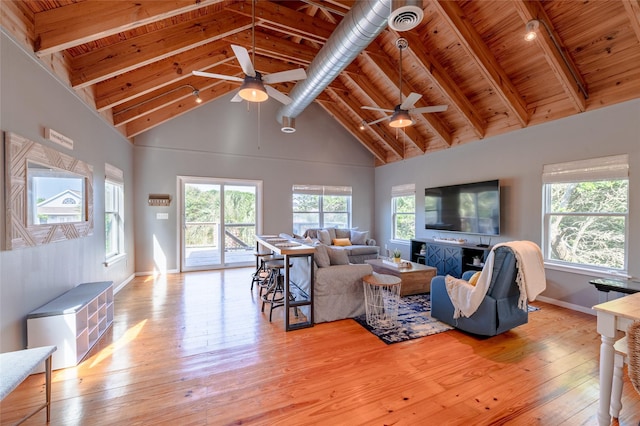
132 60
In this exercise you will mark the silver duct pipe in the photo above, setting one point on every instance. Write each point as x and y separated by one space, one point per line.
358 29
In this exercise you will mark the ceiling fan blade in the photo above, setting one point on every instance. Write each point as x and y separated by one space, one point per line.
237 98
435 108
245 61
290 75
277 95
410 101
376 109
379 120
220 76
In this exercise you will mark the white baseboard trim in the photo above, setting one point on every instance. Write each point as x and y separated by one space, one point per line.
562 304
123 284
145 274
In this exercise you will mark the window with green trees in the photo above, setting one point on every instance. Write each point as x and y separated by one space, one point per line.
586 213
113 212
317 206
403 204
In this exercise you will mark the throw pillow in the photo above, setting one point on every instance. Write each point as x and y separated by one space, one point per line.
321 256
338 256
332 233
359 238
341 242
474 278
324 237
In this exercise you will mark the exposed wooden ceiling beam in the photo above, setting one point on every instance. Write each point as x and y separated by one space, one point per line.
175 109
122 88
565 71
632 7
478 51
440 77
287 21
365 139
275 47
160 98
137 52
387 69
64 27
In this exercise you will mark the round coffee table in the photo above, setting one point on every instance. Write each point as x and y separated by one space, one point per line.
381 298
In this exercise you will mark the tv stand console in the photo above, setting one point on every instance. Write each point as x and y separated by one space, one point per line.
448 258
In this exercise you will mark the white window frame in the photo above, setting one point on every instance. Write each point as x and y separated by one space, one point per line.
321 191
590 170
398 191
115 178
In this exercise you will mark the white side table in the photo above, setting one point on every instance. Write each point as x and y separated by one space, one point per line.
381 298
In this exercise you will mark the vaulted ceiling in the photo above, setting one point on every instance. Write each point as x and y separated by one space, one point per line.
132 60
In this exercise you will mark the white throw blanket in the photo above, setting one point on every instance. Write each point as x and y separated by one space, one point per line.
530 278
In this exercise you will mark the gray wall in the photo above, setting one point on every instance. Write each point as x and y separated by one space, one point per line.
226 140
31 99
517 159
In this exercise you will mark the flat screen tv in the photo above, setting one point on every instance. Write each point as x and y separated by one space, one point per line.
471 208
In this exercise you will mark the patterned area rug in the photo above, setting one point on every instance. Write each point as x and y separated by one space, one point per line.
414 318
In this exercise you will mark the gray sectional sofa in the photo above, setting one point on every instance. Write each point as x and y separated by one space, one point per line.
360 247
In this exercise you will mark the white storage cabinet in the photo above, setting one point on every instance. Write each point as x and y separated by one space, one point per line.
73 322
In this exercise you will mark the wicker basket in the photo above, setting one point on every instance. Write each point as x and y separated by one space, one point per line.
633 351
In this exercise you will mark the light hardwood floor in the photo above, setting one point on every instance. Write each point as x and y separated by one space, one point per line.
194 349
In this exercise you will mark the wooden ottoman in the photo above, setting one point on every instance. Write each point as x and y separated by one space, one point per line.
415 278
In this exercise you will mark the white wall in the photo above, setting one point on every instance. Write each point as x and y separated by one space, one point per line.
517 159
225 140
31 99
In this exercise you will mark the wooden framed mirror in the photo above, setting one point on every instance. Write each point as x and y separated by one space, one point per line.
49 194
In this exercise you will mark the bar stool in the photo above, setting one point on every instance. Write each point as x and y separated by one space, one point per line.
275 287
262 273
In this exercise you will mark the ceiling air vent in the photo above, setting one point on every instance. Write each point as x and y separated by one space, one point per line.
405 14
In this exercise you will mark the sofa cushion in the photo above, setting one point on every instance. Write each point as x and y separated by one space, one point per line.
324 237
358 250
321 256
358 237
338 256
341 242
343 233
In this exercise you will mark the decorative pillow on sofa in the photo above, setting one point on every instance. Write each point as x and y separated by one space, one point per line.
338 256
358 237
321 256
341 242
474 278
324 237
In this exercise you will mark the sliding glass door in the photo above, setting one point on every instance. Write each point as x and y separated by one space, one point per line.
220 219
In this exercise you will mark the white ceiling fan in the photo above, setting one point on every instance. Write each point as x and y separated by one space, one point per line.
253 87
401 114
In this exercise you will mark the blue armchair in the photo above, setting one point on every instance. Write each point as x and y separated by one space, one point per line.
499 310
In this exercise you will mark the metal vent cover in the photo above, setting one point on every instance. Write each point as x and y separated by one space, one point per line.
405 15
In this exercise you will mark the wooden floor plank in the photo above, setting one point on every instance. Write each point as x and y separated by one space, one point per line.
194 349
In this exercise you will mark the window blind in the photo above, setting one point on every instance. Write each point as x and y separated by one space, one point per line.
403 190
604 168
321 190
113 174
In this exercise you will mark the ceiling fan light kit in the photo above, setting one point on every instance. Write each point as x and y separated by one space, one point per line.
253 89
401 118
